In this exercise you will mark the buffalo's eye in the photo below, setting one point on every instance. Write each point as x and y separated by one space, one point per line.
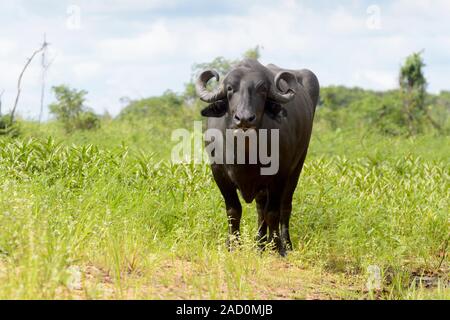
230 89
261 88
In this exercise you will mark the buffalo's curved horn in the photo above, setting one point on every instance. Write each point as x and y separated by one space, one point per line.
277 93
203 93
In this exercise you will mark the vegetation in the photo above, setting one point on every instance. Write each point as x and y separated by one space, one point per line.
104 214
413 88
219 64
71 111
8 127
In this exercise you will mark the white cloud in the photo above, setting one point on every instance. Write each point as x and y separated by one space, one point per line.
7 47
149 45
131 48
120 6
86 70
343 21
382 79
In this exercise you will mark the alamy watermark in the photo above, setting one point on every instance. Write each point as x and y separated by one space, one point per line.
73 19
373 21
233 147
374 278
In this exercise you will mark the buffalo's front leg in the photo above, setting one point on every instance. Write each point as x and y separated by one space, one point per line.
261 206
234 213
232 204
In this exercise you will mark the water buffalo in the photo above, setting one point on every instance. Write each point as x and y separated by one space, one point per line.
254 97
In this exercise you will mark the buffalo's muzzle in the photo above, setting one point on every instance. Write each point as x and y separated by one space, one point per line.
244 121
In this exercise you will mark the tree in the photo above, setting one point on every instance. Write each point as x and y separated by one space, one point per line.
70 109
438 111
4 120
167 105
7 122
45 65
222 65
254 53
219 64
6 126
19 81
1 96
413 91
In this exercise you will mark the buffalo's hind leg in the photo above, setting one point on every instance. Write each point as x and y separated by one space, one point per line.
272 218
286 210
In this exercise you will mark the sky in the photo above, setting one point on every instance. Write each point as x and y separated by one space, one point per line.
137 48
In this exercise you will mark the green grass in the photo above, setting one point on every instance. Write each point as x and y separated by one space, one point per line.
127 223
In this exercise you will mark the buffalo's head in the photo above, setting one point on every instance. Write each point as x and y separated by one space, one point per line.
246 93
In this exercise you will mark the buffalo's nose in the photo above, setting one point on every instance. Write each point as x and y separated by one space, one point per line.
244 120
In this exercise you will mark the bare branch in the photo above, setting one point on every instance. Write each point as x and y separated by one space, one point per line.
19 82
45 67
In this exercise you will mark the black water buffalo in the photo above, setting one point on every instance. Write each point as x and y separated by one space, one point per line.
253 96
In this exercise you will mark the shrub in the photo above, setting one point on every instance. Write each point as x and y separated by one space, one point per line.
7 127
70 109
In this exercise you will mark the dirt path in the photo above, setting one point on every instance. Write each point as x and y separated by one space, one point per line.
178 278
181 279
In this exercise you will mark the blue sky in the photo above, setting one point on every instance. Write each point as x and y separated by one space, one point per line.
138 48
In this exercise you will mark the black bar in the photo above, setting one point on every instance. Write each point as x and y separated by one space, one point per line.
212 309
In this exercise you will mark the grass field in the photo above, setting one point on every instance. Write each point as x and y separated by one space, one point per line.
105 215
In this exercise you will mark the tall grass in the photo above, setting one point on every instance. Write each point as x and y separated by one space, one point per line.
133 225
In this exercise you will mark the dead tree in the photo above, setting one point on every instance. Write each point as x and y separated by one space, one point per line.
44 65
19 81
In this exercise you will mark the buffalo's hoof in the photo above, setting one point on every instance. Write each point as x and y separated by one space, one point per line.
261 242
277 245
288 246
232 243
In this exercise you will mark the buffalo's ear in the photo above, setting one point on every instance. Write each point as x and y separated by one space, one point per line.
216 109
275 110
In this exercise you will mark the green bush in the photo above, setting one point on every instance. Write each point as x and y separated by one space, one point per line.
9 128
354 108
70 109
